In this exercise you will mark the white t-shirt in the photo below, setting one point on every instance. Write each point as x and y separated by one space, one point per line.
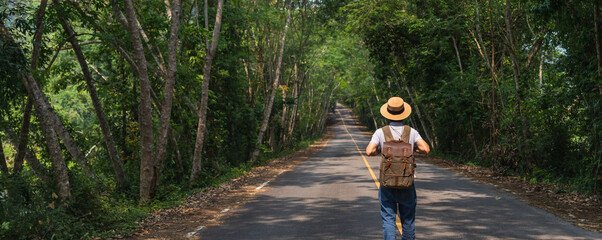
378 137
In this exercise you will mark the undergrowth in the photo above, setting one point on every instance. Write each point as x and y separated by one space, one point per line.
33 211
561 183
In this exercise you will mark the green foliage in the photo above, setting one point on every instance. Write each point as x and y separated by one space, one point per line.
440 53
34 211
12 62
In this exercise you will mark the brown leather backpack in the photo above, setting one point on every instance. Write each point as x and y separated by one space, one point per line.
397 164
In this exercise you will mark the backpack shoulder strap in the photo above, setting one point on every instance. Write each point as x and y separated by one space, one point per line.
405 136
387 133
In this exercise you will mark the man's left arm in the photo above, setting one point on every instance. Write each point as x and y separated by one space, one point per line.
422 147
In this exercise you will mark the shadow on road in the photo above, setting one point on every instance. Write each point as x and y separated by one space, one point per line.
294 218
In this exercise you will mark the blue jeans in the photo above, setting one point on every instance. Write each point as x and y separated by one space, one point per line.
402 201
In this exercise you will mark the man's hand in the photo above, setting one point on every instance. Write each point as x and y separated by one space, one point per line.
372 150
422 147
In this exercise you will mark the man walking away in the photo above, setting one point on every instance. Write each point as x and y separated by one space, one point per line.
393 200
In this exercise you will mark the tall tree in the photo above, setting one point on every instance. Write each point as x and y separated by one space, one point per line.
145 109
23 136
274 88
102 119
50 123
44 112
3 166
515 68
24 131
166 106
201 127
598 165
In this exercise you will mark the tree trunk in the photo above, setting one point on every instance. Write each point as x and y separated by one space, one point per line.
483 52
165 118
179 164
157 108
534 51
541 75
200 135
168 10
296 89
429 119
382 120
32 161
59 128
480 43
59 168
298 86
420 116
35 54
250 89
597 36
412 120
309 105
283 118
68 141
372 113
473 140
102 120
270 101
515 69
598 174
287 112
457 54
323 114
145 117
3 166
23 136
206 14
375 93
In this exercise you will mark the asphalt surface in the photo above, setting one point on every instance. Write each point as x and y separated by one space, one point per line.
333 195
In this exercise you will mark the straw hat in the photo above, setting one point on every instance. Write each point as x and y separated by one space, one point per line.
395 109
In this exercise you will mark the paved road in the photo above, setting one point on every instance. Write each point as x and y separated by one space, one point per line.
332 195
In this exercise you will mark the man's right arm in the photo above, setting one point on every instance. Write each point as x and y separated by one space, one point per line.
372 149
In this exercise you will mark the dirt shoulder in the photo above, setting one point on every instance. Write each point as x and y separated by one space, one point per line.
206 208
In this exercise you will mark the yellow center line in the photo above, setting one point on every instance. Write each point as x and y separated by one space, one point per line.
398 221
